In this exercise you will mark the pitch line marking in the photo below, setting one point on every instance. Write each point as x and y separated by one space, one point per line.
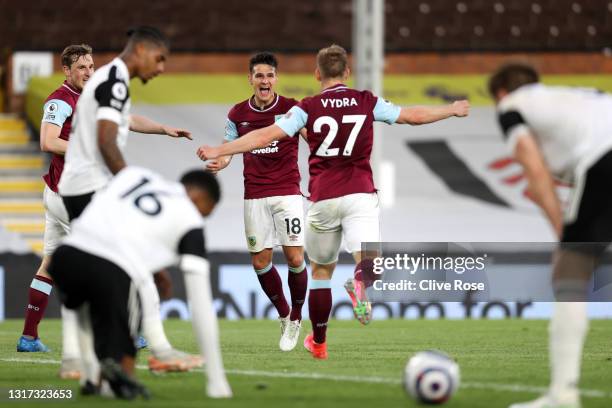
357 379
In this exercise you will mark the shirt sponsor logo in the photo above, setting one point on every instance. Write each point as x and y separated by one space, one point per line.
271 148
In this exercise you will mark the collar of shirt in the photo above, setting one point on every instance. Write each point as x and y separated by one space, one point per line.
123 69
334 88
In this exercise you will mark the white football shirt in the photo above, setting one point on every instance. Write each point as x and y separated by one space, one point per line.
105 96
136 222
573 126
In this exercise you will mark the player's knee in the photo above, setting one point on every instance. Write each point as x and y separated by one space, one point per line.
295 259
261 260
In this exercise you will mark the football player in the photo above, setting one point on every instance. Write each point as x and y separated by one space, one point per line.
137 225
273 208
562 133
78 67
94 155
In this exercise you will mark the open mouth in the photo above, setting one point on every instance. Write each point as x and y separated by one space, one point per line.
265 91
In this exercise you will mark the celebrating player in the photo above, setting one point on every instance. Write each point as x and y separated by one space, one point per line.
342 193
563 133
273 209
95 148
136 226
78 66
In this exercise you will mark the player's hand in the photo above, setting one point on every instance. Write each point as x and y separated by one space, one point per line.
177 132
214 166
461 108
207 152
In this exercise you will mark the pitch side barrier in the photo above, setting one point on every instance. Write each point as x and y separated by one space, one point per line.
516 279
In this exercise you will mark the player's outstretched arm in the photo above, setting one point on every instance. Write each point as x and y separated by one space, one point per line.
107 143
204 320
50 140
541 185
420 115
142 124
215 166
252 140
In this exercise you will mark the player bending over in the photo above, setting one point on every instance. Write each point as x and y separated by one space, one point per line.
273 209
78 66
342 193
94 155
138 225
562 133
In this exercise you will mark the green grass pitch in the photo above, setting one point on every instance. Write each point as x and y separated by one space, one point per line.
502 361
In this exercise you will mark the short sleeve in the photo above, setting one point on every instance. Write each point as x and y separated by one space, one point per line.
293 121
385 111
111 96
231 131
56 111
513 126
192 243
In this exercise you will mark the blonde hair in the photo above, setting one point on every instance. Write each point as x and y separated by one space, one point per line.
332 61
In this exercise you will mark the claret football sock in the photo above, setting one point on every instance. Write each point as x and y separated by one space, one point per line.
298 284
320 305
364 272
38 298
272 285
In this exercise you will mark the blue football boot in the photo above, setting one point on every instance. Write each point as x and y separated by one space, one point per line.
141 343
31 345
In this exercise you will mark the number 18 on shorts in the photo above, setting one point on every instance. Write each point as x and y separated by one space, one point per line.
272 221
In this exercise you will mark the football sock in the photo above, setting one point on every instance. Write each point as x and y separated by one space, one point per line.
70 334
152 326
364 272
568 328
89 360
298 284
38 298
320 305
153 332
272 285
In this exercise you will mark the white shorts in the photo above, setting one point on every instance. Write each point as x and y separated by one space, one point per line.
57 225
273 221
354 217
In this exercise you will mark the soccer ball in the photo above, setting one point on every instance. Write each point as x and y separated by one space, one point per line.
431 377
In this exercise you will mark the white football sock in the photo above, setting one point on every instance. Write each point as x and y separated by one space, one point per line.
89 360
70 334
152 326
567 331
